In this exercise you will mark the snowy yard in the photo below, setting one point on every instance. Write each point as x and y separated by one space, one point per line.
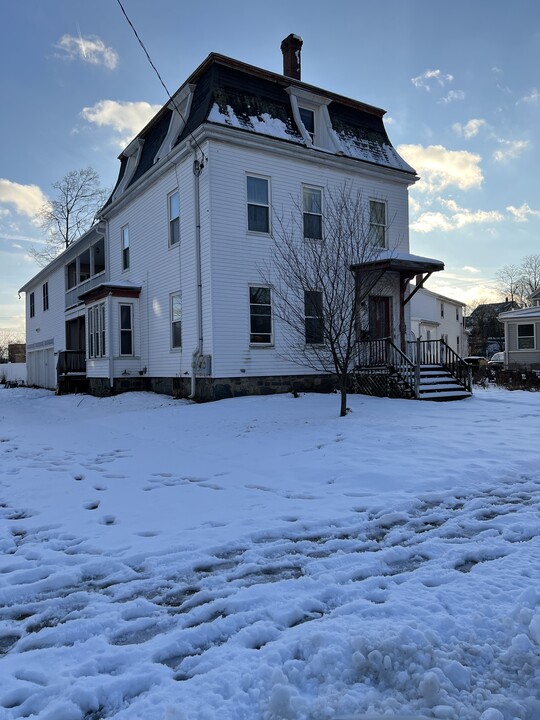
263 559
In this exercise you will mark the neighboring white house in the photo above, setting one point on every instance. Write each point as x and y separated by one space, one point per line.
165 291
437 317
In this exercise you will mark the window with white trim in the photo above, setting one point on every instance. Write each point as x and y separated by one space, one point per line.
45 296
258 204
126 329
377 223
525 337
312 213
313 317
32 305
125 247
260 315
176 321
308 120
442 309
96 331
174 218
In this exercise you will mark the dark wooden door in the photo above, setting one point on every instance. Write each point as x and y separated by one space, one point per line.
380 316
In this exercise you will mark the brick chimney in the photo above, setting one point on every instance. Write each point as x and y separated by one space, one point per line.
291 48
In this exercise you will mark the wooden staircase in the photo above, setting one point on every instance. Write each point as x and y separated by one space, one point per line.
437 383
429 370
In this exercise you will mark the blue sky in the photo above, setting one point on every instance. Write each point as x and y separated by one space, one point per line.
459 82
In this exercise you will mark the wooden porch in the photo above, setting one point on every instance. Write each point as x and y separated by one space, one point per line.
426 370
71 372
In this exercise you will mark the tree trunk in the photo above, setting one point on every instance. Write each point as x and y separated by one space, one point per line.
343 391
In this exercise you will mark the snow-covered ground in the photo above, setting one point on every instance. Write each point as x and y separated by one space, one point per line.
262 558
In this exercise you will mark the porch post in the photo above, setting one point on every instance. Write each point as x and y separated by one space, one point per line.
402 327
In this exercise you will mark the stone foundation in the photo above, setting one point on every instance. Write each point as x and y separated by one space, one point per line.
209 389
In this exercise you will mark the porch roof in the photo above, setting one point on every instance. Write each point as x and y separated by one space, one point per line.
402 262
117 289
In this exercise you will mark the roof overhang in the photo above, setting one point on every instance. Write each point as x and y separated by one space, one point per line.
103 290
404 263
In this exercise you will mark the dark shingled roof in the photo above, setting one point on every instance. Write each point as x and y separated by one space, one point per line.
235 94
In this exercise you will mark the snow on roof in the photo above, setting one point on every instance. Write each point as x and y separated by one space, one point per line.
529 312
369 149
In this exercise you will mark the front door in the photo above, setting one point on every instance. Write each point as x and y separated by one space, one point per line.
380 317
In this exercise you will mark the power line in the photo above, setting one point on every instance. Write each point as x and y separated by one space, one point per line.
157 73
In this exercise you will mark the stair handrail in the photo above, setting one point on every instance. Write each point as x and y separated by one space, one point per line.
403 366
456 366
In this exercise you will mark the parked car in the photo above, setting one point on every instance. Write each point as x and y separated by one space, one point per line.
477 361
497 361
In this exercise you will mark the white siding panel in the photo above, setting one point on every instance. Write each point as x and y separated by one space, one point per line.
160 270
238 256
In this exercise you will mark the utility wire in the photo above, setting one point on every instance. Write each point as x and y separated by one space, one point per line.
157 73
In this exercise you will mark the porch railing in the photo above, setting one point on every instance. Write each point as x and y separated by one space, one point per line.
383 352
71 361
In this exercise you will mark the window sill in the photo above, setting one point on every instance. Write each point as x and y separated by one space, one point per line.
259 234
261 345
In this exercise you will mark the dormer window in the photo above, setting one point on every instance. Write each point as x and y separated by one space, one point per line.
308 121
310 112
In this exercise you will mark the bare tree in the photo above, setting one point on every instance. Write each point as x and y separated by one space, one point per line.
517 282
316 294
79 196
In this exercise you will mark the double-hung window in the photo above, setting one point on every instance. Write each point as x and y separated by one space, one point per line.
32 305
96 331
377 223
45 296
312 213
525 336
126 329
260 315
176 320
314 318
125 247
258 204
174 218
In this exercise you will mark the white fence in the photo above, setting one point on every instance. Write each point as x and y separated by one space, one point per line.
13 372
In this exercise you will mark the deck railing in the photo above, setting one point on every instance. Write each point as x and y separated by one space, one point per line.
71 361
384 353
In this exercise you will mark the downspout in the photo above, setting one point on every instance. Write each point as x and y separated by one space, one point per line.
198 166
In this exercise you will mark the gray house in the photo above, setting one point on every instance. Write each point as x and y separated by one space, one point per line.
522 335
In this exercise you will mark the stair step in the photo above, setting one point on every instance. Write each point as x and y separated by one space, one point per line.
449 395
439 388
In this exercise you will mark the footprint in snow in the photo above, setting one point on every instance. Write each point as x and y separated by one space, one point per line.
108 520
91 505
78 477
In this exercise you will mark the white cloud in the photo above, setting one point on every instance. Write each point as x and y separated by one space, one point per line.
533 98
470 129
439 167
26 199
510 149
453 217
453 95
427 78
127 118
90 49
471 269
521 213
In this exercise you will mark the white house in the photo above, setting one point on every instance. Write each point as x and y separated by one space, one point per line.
165 291
437 317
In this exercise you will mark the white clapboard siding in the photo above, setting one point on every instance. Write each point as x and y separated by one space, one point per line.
238 256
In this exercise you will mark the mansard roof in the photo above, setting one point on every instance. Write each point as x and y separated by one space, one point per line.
233 94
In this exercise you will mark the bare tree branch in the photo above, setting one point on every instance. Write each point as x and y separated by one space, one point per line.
79 197
316 295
